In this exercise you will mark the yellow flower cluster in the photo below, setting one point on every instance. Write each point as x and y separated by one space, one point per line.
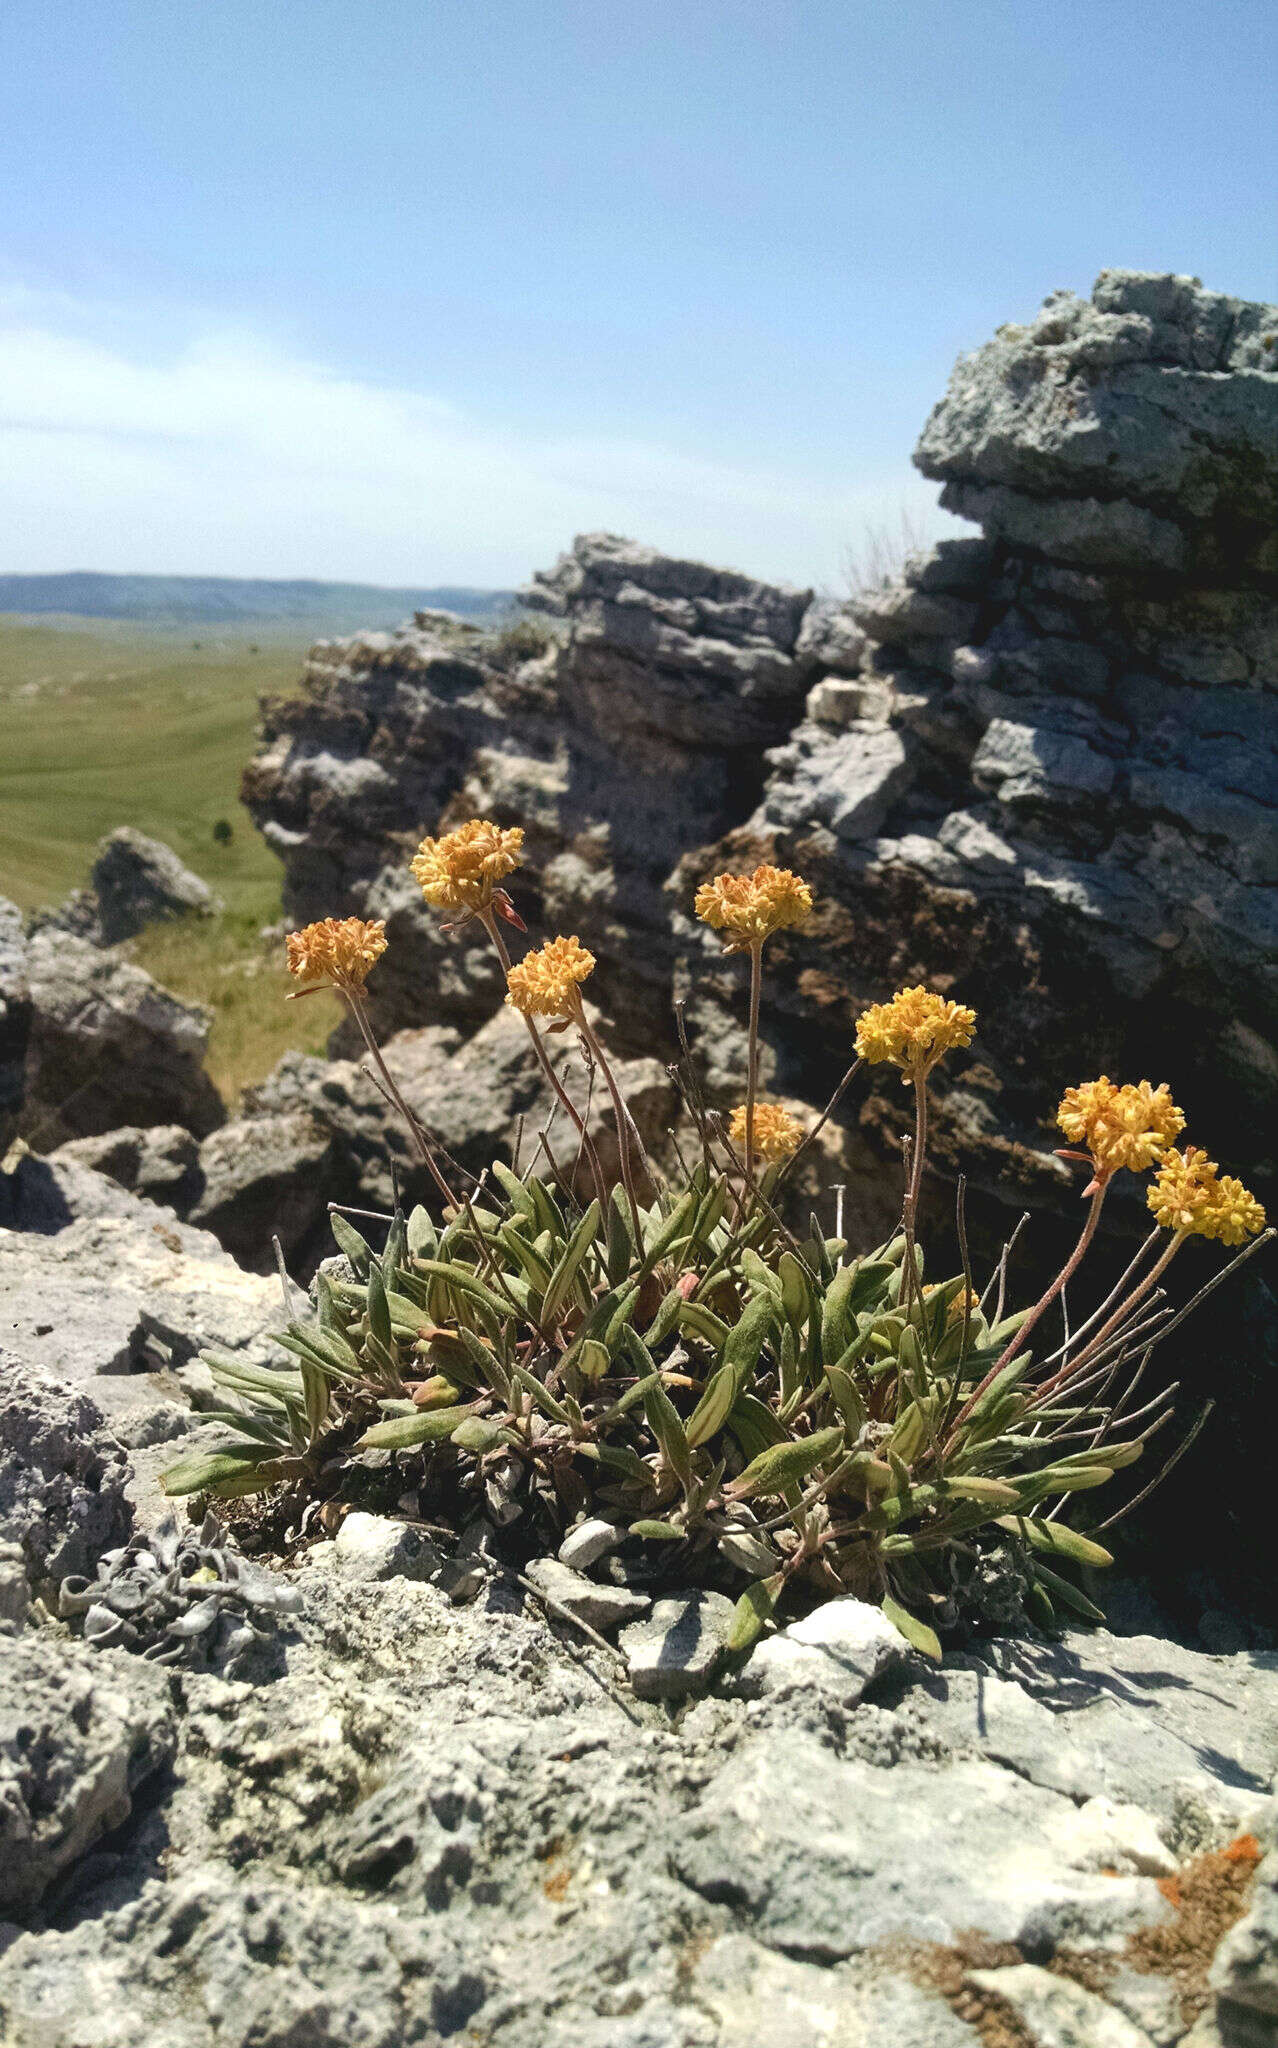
1131 1126
913 1030
1192 1195
747 909
776 1133
544 983
340 950
459 871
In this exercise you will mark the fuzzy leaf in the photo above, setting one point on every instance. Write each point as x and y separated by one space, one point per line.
786 1464
753 1612
917 1633
403 1431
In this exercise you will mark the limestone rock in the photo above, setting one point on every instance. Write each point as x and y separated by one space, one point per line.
161 1163
676 1651
840 1648
62 1478
78 1734
137 880
109 1047
1057 2012
264 1177
601 1607
375 1547
119 1304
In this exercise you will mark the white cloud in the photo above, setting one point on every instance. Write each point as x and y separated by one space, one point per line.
229 457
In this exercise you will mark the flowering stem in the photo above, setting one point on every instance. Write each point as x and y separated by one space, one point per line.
622 1117
752 1058
354 999
1040 1308
489 923
920 1143
1120 1315
355 1004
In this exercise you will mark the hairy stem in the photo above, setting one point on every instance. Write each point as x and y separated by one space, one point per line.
752 1061
1072 1366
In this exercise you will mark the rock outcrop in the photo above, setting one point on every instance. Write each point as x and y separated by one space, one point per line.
1038 771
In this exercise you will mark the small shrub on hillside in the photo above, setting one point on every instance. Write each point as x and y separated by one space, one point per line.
740 1396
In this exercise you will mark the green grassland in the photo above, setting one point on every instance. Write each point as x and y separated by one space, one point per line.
105 724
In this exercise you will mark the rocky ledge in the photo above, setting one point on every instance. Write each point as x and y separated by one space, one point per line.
421 1821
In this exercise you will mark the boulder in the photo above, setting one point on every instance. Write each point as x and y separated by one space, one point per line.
62 1477
79 1734
161 1164
119 1303
109 1047
134 881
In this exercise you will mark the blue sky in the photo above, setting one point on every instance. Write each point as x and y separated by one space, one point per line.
411 290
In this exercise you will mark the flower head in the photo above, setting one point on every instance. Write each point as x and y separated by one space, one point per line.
776 1133
1131 1126
460 871
339 950
1192 1195
913 1030
544 983
747 909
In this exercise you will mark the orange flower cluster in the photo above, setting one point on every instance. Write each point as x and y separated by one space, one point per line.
913 1031
1192 1196
776 1133
461 870
339 950
747 909
1129 1126
545 983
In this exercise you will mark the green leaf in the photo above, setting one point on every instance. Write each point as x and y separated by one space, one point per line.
753 1612
379 1318
664 1422
696 1320
565 1273
204 1473
592 1359
401 1432
1055 1536
479 1433
465 1280
1070 1595
657 1532
676 1225
838 1327
420 1233
846 1398
917 1633
348 1240
544 1400
740 1358
786 1464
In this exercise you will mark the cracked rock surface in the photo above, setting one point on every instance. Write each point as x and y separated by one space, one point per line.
447 1822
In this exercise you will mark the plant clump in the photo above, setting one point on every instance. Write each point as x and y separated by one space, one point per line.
739 1396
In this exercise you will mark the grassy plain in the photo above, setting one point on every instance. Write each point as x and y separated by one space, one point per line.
105 724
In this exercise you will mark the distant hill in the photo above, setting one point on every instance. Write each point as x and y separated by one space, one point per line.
234 601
